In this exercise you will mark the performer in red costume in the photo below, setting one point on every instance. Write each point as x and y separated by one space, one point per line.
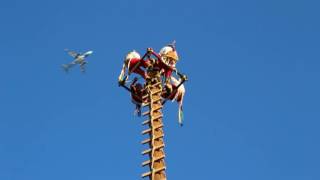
137 93
166 62
133 63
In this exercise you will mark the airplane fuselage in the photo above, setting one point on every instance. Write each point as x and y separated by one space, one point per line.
79 59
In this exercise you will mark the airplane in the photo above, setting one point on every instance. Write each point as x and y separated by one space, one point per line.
79 58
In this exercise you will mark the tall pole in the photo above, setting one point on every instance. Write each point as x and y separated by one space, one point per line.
155 151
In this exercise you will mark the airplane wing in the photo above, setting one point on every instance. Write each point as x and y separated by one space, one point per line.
82 67
72 53
86 54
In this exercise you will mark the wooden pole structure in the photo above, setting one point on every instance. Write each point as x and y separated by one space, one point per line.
155 151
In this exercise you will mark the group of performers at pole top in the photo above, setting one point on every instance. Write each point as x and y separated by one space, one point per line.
165 62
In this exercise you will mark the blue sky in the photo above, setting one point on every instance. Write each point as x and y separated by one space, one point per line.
252 102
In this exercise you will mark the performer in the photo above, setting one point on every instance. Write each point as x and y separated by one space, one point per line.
137 93
168 58
133 63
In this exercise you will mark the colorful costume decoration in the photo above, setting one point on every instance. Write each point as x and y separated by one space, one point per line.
165 62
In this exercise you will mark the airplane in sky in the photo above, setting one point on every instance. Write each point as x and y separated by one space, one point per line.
79 58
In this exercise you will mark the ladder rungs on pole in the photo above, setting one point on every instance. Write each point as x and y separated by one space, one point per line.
150 150
145 104
149 140
160 157
146 151
146 141
146 131
157 84
155 109
146 122
159 126
145 96
146 174
146 163
158 99
150 173
157 91
155 159
159 169
146 113
157 117
158 147
149 130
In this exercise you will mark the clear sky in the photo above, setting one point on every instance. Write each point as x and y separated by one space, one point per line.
252 106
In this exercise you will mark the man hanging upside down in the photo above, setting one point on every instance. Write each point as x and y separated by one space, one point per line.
137 92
